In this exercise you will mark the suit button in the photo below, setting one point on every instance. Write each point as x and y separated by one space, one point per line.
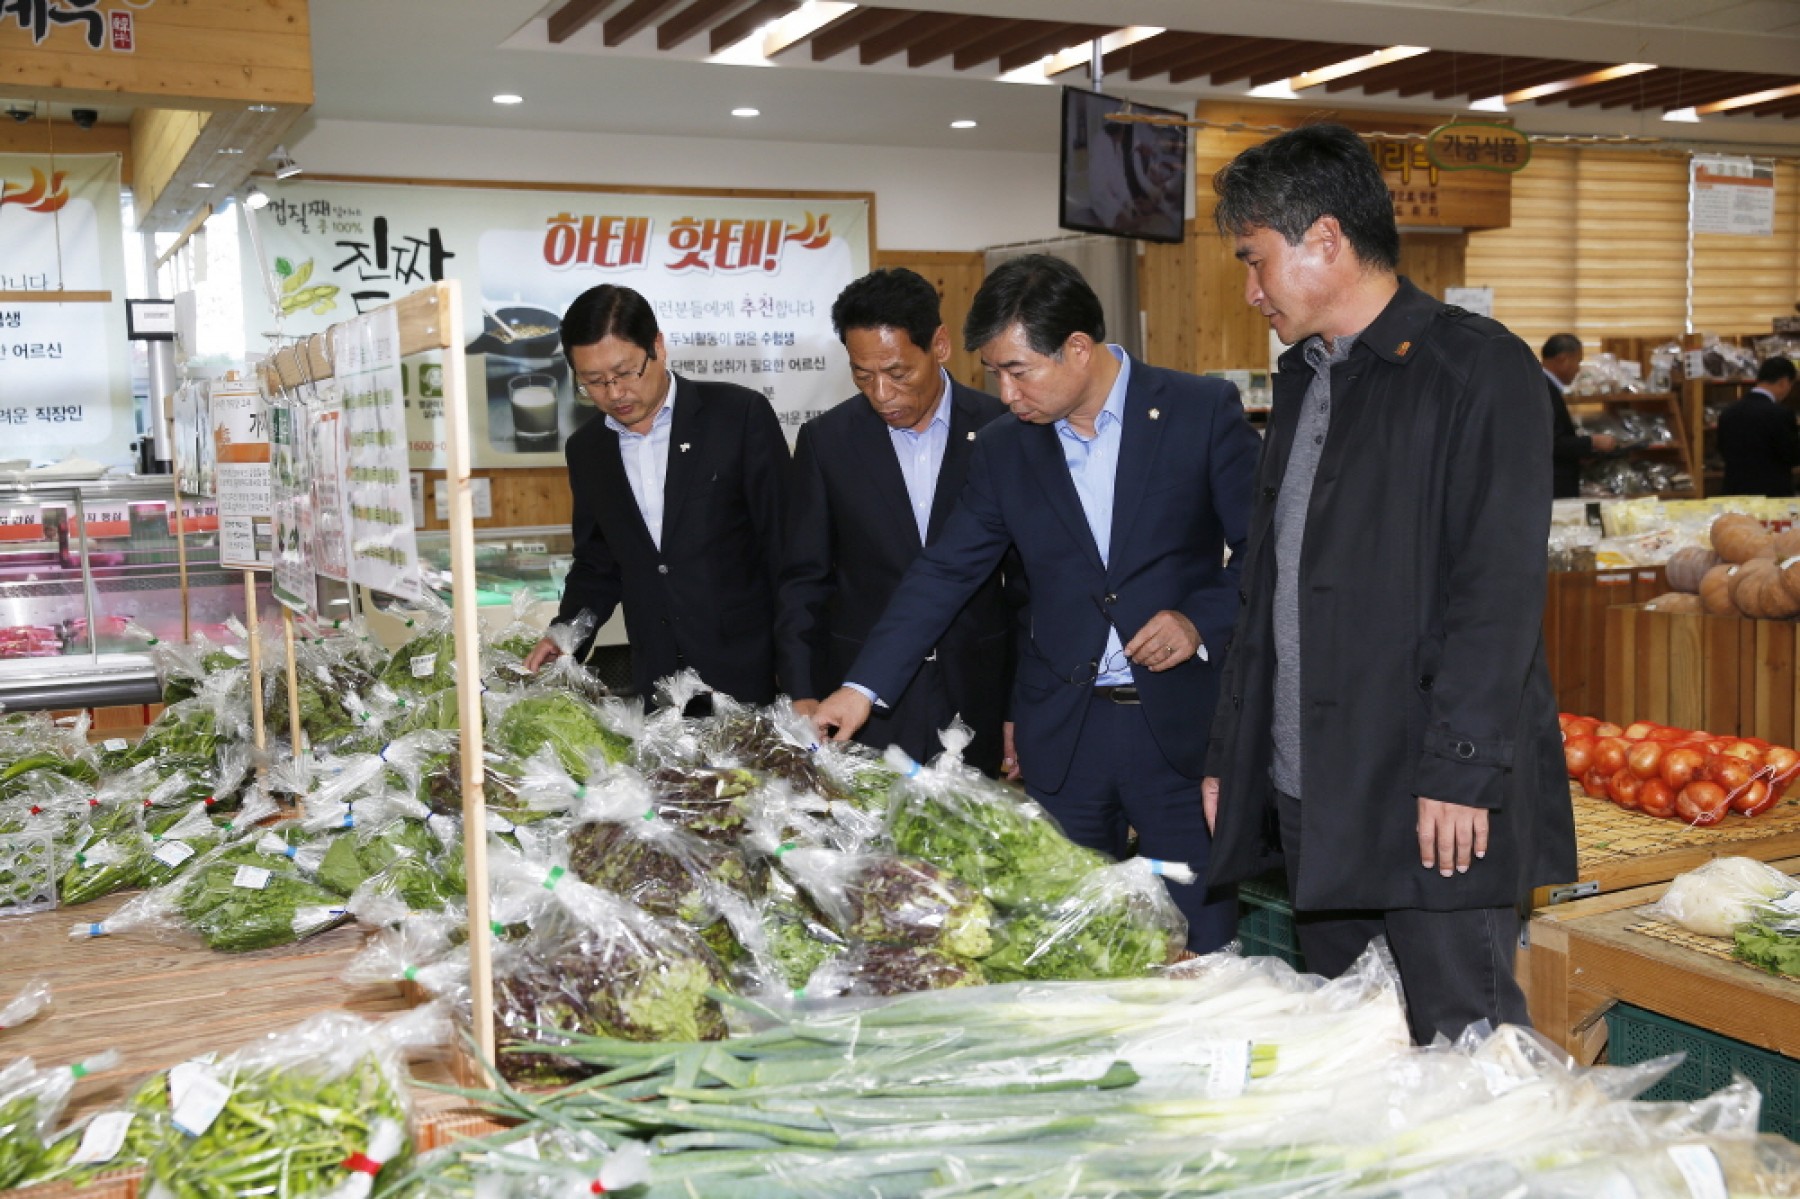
1465 750
1111 599
1268 493
1425 682
662 570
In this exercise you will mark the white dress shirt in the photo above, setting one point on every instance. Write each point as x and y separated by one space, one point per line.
646 460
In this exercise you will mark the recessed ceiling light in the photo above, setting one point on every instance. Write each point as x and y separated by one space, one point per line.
229 150
746 112
508 98
1687 115
965 124
204 184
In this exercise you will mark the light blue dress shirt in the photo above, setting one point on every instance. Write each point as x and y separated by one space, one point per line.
922 456
646 460
1094 467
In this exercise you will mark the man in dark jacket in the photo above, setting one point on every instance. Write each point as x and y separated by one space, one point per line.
1562 362
1758 437
1387 726
678 505
874 480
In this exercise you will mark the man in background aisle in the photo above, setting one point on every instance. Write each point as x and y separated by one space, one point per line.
678 504
1388 729
1562 362
874 480
1758 437
1122 486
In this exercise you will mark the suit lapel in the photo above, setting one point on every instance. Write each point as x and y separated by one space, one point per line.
1138 439
874 451
1044 459
686 448
956 461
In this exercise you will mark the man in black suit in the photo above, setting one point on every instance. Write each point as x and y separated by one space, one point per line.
1758 437
1122 487
1562 362
679 497
874 480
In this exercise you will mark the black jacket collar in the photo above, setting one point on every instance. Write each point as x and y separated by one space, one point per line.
1395 335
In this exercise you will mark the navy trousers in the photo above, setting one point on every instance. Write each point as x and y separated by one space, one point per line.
1119 781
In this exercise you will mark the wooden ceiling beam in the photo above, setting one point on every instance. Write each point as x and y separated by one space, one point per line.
573 17
1782 109
1213 58
967 33
922 27
696 18
1395 74
1242 66
993 45
1156 56
850 31
1051 41
1497 76
634 17
1301 62
1628 89
1707 87
735 29
832 24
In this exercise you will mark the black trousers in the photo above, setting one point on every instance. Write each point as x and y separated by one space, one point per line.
925 711
1455 967
1119 781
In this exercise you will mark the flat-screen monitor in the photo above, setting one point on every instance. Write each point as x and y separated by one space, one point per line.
1126 178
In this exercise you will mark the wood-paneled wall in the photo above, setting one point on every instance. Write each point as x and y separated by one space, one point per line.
957 275
523 497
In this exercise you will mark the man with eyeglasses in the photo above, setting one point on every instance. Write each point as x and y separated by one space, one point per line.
1122 486
678 505
874 480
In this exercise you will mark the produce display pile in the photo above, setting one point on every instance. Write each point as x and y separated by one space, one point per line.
1676 774
1749 571
1226 1077
1748 902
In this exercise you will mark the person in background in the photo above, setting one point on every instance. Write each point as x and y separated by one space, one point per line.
1388 730
1122 486
874 480
1758 437
678 506
1562 362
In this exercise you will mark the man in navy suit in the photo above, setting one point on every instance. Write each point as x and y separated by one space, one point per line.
1122 486
678 503
874 480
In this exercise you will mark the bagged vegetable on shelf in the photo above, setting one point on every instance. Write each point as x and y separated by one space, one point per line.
895 900
426 663
871 969
1715 898
31 1099
32 999
1118 922
581 733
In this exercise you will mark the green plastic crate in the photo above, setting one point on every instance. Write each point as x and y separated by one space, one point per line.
1266 920
1634 1035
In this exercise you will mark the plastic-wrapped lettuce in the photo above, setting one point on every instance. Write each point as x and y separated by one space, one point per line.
581 733
1119 922
894 900
892 970
987 834
147 852
425 665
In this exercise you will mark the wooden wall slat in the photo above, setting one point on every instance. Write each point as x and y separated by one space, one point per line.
1719 676
1687 691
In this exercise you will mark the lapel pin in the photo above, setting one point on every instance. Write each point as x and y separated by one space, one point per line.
1402 348
971 435
1156 414
684 447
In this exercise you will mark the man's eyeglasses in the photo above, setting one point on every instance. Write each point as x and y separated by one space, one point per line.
593 383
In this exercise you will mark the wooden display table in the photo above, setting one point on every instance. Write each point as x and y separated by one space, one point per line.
1581 657
1728 675
1587 955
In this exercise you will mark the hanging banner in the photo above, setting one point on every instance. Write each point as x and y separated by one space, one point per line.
65 382
384 554
742 289
290 502
240 438
1733 195
330 495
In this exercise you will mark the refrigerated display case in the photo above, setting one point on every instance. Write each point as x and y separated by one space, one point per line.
79 562
535 560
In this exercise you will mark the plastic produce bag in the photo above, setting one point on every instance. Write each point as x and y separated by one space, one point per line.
896 900
34 998
581 733
1118 922
426 664
427 949
983 832
1716 897
892 970
31 1099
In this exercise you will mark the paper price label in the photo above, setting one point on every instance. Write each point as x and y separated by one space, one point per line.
424 666
254 878
104 1137
1700 1168
203 1099
115 745
174 853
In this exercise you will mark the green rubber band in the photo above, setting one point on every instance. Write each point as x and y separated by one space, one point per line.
554 877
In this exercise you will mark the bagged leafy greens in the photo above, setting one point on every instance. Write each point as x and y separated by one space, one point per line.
871 969
31 1099
579 732
1119 922
894 900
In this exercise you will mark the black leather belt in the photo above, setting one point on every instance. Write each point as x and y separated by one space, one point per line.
1118 695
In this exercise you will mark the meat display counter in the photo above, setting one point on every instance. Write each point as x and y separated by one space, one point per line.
79 562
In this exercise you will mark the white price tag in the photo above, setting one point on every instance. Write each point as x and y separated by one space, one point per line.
238 652
202 1100
254 878
424 666
103 1138
1225 1062
115 745
1700 1168
174 853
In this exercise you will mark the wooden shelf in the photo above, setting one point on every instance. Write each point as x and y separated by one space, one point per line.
1623 397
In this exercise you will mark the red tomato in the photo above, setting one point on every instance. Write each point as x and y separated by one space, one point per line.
1702 804
1622 788
1594 783
1656 798
1753 800
1639 730
1644 759
1578 755
1607 728
1680 765
1609 754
